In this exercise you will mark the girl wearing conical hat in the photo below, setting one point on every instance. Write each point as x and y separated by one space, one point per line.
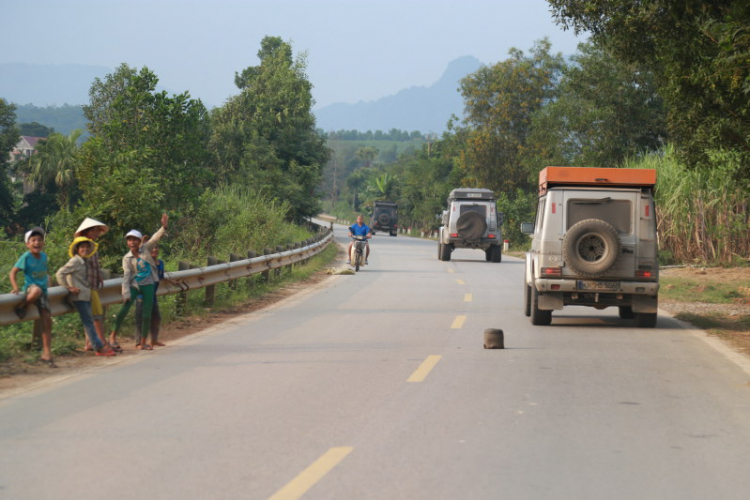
74 277
93 229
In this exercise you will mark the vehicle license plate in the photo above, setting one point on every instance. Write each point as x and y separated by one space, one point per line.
607 286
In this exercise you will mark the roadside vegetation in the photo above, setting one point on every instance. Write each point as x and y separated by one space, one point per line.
237 178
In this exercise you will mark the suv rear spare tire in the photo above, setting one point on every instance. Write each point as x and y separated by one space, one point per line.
384 219
591 247
471 225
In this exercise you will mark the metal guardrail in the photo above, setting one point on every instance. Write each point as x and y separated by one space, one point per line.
175 281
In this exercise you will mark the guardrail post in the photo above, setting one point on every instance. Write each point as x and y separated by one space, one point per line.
290 267
211 289
251 254
297 246
266 275
181 306
280 269
233 257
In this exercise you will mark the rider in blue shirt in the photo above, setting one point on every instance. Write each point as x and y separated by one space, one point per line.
360 229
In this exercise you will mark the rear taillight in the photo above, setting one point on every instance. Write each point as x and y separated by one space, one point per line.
490 236
552 271
644 274
454 235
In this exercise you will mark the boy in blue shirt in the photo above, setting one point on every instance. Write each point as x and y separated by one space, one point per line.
33 263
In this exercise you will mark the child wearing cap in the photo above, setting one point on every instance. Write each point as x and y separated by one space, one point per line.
74 277
33 263
93 229
137 267
158 275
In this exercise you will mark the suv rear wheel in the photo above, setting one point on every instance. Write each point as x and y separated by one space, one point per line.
444 252
526 299
538 317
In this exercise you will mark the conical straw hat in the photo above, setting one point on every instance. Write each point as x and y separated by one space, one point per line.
88 223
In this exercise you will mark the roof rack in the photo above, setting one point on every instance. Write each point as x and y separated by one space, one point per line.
595 176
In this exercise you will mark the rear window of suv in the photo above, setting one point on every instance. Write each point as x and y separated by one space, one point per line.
480 209
615 212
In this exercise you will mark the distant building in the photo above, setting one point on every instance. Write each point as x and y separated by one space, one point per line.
25 147
23 150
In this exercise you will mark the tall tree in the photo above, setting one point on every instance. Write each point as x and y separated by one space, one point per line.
55 161
500 101
367 155
144 142
9 137
606 110
265 137
699 51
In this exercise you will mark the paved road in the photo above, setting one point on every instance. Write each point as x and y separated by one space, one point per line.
376 386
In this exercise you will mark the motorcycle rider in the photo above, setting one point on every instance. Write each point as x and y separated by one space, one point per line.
360 229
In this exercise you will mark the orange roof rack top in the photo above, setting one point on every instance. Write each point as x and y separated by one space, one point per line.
595 176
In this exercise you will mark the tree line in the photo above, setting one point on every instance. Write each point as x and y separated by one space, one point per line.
661 96
149 151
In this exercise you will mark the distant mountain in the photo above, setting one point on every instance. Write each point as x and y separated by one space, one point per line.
426 109
48 84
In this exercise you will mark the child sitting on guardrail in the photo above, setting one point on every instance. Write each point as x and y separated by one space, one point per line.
137 280
33 263
74 277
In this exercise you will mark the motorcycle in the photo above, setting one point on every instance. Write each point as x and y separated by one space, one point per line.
357 257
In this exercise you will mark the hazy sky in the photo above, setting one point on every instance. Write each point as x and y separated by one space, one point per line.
357 50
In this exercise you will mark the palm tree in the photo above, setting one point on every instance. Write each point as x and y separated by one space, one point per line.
54 160
382 188
367 154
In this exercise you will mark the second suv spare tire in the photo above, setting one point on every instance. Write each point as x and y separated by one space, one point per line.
591 247
384 219
471 225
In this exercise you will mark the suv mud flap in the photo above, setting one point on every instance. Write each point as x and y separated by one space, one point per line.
644 304
550 301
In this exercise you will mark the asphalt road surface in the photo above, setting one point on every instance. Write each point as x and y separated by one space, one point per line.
377 386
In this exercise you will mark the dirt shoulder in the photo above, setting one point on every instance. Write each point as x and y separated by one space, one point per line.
714 299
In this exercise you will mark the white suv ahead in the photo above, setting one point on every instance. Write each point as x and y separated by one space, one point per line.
471 221
593 244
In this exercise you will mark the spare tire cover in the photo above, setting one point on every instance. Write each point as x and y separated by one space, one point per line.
471 226
591 247
384 218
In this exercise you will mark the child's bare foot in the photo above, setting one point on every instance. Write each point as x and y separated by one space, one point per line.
146 347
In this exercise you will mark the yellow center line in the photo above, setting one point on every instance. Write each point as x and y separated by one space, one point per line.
468 297
451 270
460 282
458 323
310 476
424 369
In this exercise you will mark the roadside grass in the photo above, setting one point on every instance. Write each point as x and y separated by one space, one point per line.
703 289
68 335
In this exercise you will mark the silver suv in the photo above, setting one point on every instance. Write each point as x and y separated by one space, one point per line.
471 221
593 244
